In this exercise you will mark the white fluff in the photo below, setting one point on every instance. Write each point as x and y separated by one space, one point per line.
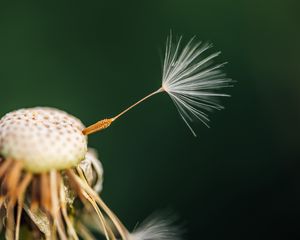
157 227
190 78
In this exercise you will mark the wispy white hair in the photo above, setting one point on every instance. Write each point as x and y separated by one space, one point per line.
191 79
158 226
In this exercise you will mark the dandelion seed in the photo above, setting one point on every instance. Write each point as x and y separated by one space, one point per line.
158 226
45 164
190 78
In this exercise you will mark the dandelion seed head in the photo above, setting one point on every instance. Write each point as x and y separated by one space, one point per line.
42 139
192 80
45 163
44 166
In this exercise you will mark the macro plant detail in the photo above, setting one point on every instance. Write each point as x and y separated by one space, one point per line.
50 179
190 78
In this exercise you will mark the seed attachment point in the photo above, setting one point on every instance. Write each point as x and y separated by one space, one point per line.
98 126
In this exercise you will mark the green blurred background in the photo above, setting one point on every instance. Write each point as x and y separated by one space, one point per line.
240 179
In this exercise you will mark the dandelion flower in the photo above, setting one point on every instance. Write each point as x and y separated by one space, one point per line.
46 167
190 78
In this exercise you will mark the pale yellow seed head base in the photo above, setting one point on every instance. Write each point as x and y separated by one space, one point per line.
43 139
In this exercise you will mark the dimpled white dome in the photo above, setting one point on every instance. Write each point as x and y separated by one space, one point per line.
42 139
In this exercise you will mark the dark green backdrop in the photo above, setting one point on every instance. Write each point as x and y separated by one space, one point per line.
238 180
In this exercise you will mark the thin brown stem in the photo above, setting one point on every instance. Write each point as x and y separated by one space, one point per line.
63 205
55 205
10 222
45 193
5 165
93 203
21 192
34 204
117 223
13 177
84 232
137 103
105 123
106 228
